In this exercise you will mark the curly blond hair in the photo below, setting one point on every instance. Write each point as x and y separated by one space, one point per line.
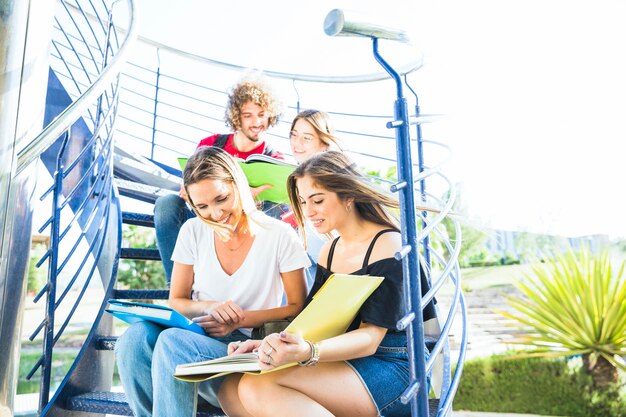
255 89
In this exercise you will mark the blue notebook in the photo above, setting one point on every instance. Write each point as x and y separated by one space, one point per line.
132 312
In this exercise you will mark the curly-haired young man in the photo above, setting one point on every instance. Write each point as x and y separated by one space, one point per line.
251 110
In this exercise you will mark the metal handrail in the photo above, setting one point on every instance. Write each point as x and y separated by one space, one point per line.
74 111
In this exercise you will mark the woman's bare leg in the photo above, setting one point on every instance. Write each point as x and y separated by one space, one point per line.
328 389
229 397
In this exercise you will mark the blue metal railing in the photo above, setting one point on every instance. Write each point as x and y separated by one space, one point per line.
85 210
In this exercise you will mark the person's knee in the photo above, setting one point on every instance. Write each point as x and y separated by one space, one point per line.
227 395
136 342
167 205
169 350
250 391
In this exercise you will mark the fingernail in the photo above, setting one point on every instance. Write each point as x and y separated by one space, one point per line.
283 334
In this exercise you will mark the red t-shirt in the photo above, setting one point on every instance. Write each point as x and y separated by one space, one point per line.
230 148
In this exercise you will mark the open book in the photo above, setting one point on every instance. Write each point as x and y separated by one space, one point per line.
260 170
132 312
329 314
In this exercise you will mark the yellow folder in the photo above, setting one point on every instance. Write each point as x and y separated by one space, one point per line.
329 314
334 306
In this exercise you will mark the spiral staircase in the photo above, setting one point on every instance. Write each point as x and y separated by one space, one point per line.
114 119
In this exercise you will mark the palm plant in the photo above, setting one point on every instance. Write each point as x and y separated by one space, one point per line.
575 304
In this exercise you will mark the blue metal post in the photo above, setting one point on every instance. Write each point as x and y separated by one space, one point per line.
410 262
55 227
420 164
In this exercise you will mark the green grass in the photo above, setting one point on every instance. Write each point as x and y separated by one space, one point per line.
478 278
492 276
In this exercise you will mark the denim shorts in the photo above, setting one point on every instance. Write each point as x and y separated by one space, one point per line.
386 375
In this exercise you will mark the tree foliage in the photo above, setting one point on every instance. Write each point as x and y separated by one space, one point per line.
140 274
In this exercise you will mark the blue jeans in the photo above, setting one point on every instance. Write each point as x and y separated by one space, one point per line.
170 212
147 355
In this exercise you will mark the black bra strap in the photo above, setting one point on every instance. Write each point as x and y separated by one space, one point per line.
366 260
331 252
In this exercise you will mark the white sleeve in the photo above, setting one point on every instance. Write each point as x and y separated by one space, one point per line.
291 253
186 247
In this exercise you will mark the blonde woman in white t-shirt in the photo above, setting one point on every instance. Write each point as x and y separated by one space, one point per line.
232 265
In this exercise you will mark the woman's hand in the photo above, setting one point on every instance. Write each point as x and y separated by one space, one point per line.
226 312
214 328
282 348
243 347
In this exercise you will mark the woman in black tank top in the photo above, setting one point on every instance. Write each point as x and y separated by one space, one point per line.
364 371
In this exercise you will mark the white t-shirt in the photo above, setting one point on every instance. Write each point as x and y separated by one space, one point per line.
256 285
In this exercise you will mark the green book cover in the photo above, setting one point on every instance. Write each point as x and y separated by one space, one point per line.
260 170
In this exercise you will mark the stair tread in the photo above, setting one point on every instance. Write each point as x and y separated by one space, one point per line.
140 294
138 219
115 403
141 192
151 254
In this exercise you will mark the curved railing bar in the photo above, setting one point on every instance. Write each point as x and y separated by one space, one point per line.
87 254
98 18
364 78
92 142
79 297
442 213
74 111
445 331
76 38
82 38
72 250
80 209
70 77
456 379
431 170
99 47
75 52
92 333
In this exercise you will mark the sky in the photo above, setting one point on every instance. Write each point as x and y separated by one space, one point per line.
532 93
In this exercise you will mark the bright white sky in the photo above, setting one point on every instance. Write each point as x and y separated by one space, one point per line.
534 91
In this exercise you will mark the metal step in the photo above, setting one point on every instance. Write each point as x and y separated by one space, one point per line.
140 294
148 254
141 192
115 403
138 219
105 342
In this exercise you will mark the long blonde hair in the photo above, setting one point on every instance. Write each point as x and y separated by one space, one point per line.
335 172
209 162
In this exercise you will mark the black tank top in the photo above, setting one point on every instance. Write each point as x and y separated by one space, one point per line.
386 304
366 260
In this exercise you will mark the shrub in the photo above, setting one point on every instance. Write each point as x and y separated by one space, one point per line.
37 277
140 274
544 386
573 305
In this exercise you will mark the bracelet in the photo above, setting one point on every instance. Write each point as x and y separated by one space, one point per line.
315 355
